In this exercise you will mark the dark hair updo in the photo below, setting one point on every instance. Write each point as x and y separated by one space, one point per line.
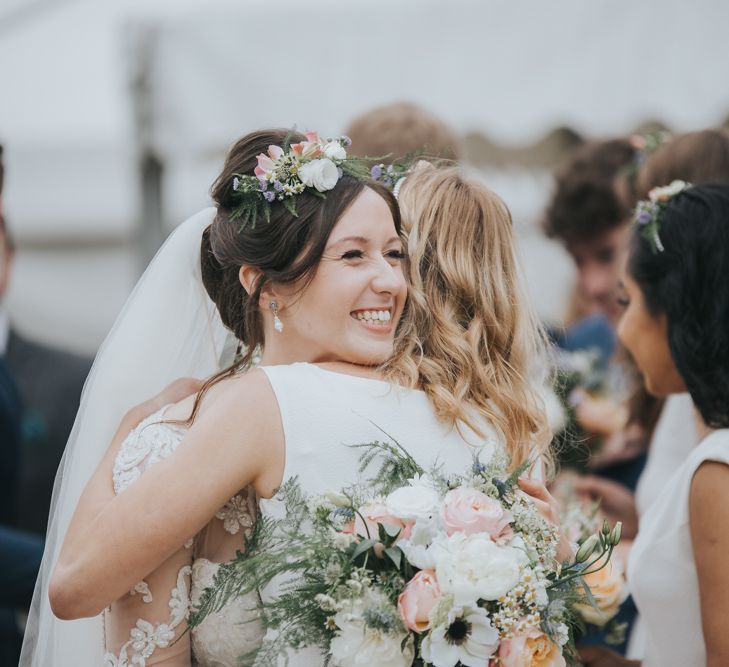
285 250
689 283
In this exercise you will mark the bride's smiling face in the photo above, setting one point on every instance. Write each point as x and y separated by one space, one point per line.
350 308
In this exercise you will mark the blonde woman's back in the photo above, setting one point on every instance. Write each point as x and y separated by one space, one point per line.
470 337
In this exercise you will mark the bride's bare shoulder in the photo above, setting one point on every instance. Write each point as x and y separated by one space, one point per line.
247 390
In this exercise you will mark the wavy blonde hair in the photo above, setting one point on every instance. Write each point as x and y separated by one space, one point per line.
469 337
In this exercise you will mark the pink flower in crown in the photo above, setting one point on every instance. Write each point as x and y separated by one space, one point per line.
267 163
311 148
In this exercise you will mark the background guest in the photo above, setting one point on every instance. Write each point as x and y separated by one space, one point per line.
49 382
402 129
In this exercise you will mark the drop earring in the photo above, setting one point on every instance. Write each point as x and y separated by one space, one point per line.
277 323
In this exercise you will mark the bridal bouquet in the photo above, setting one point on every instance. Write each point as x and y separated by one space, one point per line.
414 567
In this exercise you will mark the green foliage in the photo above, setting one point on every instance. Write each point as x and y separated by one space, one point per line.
397 465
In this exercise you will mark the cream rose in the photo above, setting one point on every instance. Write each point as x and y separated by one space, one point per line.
321 174
608 588
470 511
410 503
472 567
415 603
533 649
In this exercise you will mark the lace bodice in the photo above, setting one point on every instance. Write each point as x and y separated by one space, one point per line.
146 626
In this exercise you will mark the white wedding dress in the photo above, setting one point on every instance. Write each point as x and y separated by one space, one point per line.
147 626
323 411
662 571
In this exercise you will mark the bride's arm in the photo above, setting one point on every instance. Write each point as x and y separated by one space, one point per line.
236 441
99 489
709 518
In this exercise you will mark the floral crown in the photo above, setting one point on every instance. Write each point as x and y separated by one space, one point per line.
648 212
313 166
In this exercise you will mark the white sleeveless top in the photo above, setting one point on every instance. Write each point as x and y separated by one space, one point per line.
661 569
323 411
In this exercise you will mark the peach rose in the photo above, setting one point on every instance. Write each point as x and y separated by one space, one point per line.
469 511
533 649
415 603
374 514
608 588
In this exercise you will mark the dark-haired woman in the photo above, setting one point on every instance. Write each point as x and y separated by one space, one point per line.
675 325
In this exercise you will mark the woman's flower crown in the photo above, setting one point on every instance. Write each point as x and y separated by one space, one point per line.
313 166
648 212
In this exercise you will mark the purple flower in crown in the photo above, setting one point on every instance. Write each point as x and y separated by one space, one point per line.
269 196
643 217
376 171
278 186
262 185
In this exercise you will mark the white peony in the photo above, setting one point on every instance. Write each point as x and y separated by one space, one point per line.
321 174
335 151
473 567
467 636
410 503
358 646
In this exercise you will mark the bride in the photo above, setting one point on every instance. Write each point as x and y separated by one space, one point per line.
325 286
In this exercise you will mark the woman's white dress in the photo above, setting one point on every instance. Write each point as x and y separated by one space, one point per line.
661 569
322 412
673 440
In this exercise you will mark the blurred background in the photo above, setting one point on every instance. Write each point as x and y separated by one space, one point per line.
115 116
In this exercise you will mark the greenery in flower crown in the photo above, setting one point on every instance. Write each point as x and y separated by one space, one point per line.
283 172
648 212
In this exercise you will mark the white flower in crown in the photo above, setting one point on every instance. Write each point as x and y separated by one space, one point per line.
334 150
321 174
665 192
